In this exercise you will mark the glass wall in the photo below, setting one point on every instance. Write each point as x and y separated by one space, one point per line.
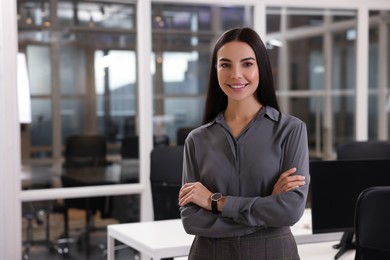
82 65
378 75
183 36
301 43
69 46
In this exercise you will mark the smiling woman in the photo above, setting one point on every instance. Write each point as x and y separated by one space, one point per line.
245 169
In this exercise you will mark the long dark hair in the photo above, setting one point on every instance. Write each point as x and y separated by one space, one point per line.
216 100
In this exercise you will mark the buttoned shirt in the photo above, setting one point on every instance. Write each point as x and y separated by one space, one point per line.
245 169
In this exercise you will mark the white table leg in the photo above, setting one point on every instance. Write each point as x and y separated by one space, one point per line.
146 257
110 248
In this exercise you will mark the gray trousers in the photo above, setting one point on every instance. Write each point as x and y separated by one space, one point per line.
265 244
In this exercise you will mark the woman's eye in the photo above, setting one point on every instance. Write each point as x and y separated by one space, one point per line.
248 64
224 65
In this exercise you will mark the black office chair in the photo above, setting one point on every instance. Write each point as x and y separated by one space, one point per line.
38 212
353 150
166 178
84 151
130 145
182 133
372 226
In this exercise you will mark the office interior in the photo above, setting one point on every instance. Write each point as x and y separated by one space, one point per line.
138 68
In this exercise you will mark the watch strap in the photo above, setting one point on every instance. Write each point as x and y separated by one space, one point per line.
214 207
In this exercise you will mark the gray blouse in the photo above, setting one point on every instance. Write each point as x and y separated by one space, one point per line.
245 170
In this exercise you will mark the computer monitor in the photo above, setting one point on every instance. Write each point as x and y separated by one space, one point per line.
334 189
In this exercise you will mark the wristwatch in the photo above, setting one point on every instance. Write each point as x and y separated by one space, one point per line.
215 197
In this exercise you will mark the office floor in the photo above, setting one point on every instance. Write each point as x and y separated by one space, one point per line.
95 249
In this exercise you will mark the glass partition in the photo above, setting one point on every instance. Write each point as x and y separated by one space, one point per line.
301 41
115 82
183 36
378 75
76 228
95 14
81 60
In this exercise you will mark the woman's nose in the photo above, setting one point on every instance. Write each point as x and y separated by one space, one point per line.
236 72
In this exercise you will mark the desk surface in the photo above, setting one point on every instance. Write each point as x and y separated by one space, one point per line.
322 251
157 239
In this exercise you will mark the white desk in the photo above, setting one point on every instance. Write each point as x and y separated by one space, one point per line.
158 239
322 251
167 238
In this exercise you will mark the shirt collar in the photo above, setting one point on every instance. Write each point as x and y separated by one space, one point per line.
266 111
271 113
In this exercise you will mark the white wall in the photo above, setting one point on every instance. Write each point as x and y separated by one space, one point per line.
10 210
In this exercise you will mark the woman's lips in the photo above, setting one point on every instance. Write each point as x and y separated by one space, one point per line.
238 86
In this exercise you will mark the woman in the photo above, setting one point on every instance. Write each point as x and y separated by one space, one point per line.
241 188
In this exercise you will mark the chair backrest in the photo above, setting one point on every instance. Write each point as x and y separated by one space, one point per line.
372 224
85 150
181 134
130 147
165 178
363 150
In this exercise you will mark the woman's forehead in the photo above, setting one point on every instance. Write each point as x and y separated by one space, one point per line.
235 50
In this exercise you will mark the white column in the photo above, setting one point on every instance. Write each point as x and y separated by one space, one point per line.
145 102
260 21
327 102
284 64
361 116
10 210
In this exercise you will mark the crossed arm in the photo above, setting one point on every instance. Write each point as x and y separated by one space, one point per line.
197 193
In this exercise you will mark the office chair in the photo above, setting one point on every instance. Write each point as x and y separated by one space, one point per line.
353 150
181 134
372 226
84 151
38 212
130 145
166 178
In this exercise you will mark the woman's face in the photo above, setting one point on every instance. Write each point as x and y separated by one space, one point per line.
237 71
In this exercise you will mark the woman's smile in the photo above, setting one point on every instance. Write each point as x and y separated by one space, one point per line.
238 85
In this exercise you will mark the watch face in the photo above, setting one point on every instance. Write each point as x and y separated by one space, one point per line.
216 196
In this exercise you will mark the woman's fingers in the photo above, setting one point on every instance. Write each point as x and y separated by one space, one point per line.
293 184
286 182
185 189
194 193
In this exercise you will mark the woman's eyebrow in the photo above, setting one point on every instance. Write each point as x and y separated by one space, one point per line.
224 59
246 59
242 60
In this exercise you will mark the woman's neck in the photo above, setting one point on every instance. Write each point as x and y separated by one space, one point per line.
241 111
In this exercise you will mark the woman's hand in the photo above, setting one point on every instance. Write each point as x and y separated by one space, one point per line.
196 193
286 182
